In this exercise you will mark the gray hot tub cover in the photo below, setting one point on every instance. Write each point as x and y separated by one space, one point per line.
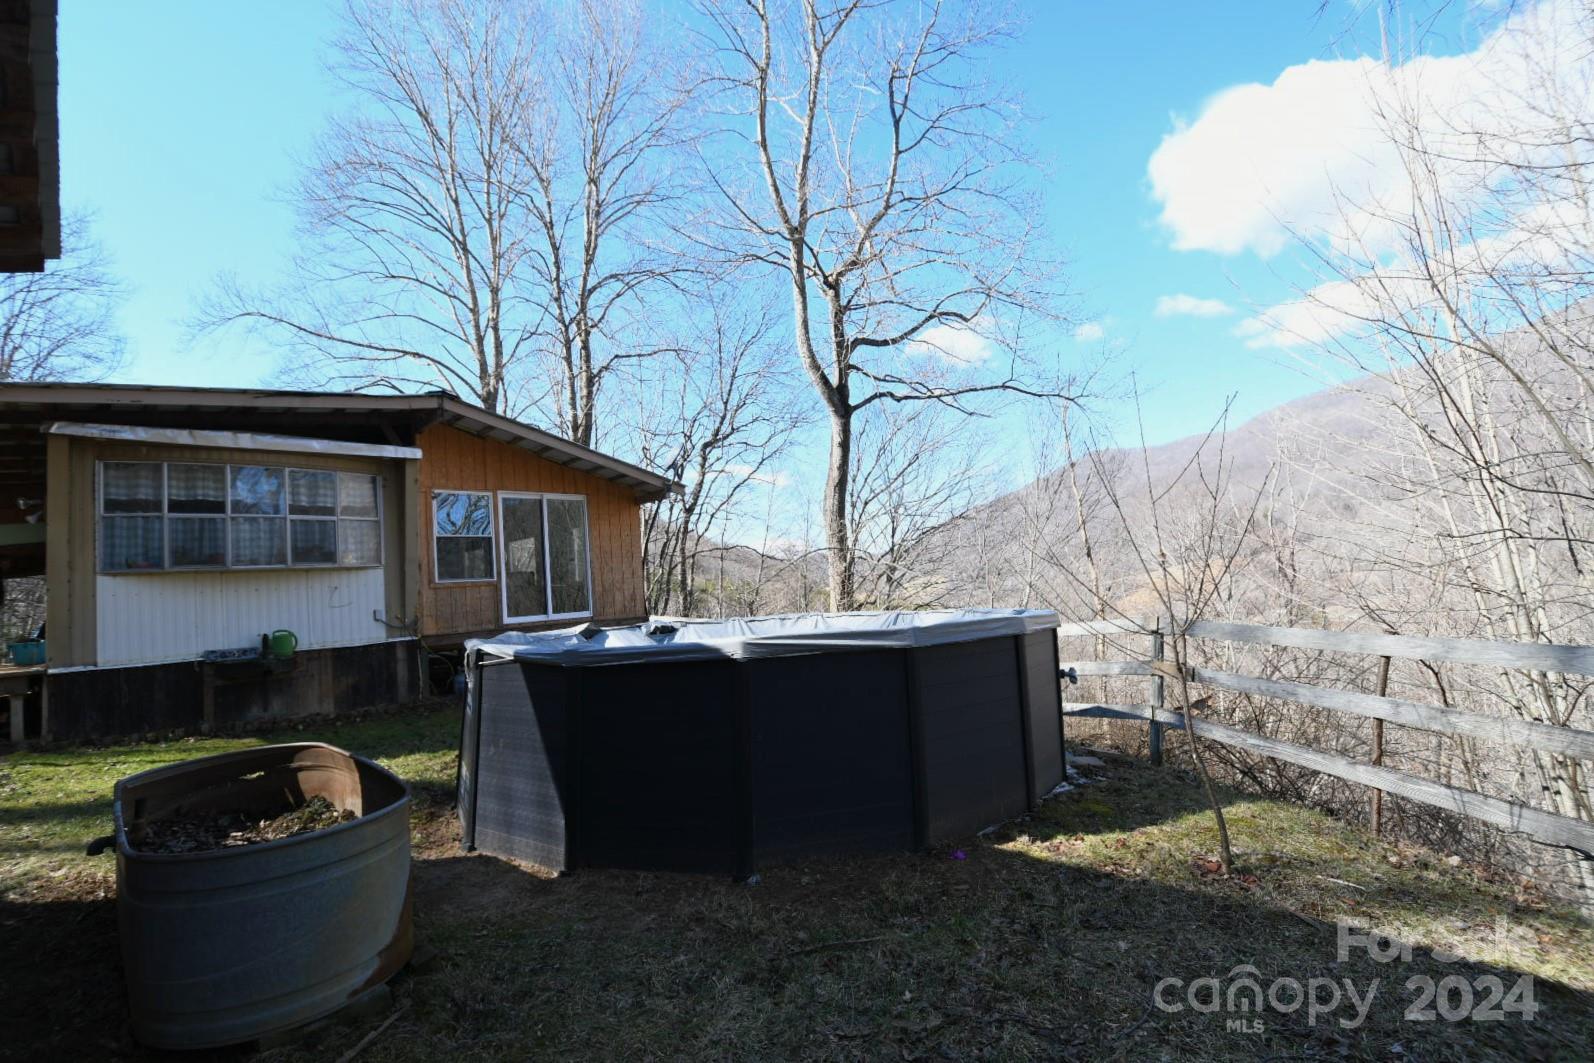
764 636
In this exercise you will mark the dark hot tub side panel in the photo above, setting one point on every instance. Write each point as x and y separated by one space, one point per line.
831 764
658 781
518 781
970 743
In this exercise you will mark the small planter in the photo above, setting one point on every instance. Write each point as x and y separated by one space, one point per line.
27 652
228 944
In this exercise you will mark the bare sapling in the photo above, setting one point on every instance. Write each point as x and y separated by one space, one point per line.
1185 535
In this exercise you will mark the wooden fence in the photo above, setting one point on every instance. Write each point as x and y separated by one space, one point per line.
1547 827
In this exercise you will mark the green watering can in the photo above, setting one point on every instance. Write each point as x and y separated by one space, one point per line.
282 642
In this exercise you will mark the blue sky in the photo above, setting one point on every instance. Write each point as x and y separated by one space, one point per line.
182 121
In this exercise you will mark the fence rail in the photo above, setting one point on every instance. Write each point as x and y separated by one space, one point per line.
1531 656
1549 827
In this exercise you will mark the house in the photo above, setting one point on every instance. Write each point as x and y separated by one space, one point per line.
177 527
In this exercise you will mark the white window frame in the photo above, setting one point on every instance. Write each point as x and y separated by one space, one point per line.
227 516
492 533
547 561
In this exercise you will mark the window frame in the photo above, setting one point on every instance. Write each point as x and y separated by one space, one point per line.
492 535
547 560
227 516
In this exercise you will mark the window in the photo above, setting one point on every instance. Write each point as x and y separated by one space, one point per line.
132 501
462 535
546 568
196 508
187 515
359 538
313 517
525 585
567 556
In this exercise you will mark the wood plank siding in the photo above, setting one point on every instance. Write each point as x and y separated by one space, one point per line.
458 461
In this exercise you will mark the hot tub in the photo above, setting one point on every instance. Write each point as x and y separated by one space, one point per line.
724 746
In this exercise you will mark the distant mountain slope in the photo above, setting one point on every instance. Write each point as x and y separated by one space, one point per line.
1308 438
1309 442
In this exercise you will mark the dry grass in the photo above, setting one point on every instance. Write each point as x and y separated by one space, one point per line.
1044 942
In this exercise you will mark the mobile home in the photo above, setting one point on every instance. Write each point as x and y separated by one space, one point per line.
178 529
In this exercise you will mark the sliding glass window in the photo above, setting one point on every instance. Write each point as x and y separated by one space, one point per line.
547 571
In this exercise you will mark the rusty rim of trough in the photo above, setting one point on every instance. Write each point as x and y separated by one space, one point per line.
269 756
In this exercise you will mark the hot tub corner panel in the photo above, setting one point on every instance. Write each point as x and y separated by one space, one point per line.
1043 712
516 783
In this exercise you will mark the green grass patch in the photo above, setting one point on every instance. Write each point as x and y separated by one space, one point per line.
54 801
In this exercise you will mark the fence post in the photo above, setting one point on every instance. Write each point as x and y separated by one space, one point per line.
1378 747
1154 740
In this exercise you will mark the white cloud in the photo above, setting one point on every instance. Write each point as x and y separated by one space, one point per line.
964 344
1182 305
1322 314
1090 332
1259 158
1542 239
1317 155
1310 154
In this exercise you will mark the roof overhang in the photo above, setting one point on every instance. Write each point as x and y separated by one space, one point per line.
649 486
203 437
129 404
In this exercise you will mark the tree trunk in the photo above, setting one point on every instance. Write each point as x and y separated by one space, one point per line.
586 398
688 592
1188 706
837 536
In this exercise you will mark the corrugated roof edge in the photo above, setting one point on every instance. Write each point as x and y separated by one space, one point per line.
448 408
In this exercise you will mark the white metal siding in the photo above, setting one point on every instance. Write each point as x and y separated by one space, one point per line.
176 616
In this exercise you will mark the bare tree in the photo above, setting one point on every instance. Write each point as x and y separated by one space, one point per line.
865 163
1186 536
915 471
715 415
599 159
61 324
1469 300
475 225
413 229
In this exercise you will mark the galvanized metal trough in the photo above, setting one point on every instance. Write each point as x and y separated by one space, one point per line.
231 944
